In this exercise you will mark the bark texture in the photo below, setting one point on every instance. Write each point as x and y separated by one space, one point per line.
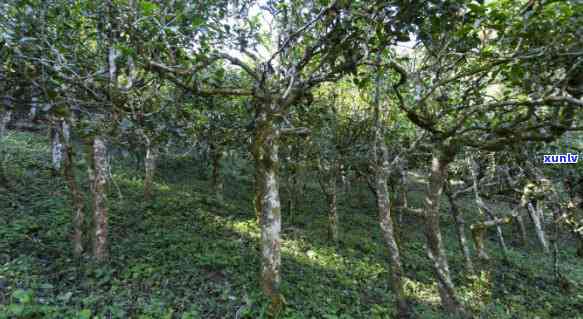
381 170
57 148
461 231
522 229
538 226
388 231
328 174
76 193
100 218
441 158
332 216
265 151
150 161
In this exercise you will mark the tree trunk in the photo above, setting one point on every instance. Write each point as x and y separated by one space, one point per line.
76 193
380 163
99 198
461 232
5 117
540 233
388 231
440 161
483 208
150 160
258 194
479 230
328 171
265 152
217 179
522 229
332 216
56 147
401 200
329 189
33 108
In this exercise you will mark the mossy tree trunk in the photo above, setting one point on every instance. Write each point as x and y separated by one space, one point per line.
265 152
328 174
98 178
76 194
332 214
441 157
389 235
461 231
379 160
150 161
56 147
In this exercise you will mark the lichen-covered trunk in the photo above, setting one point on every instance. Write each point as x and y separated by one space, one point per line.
265 152
100 218
389 236
217 178
522 229
76 193
401 201
258 191
56 148
440 161
461 232
328 171
150 161
538 227
378 185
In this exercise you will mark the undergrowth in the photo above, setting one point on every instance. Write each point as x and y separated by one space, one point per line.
187 255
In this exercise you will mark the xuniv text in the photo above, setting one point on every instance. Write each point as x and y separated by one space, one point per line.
560 159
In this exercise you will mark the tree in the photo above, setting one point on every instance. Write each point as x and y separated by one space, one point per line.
297 62
449 102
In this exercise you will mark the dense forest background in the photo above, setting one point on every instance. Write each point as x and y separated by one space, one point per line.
235 159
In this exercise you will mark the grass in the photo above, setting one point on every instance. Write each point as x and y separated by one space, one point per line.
187 255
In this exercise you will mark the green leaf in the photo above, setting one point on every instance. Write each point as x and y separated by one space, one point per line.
85 314
16 309
148 8
22 296
197 21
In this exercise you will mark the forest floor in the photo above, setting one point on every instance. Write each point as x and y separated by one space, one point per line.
185 254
